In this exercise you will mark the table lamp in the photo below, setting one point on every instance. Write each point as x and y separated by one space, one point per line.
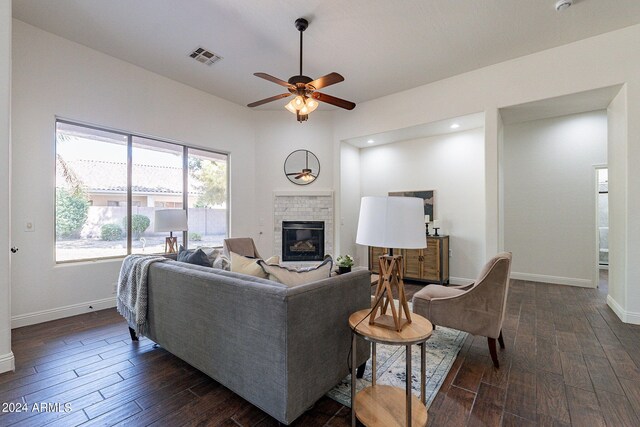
391 222
170 220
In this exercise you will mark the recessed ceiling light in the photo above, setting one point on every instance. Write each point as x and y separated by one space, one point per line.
371 141
455 126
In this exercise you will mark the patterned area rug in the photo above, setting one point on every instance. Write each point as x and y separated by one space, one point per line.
442 349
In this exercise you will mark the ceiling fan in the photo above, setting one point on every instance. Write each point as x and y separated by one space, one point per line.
304 88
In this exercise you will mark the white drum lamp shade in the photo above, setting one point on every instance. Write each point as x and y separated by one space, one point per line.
170 220
392 222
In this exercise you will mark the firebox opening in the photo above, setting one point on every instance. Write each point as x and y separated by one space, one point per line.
302 240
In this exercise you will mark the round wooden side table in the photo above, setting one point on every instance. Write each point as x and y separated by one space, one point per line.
381 405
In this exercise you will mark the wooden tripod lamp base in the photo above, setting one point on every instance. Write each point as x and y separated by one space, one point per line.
390 277
171 245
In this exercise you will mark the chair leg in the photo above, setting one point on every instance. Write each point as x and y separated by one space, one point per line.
492 350
501 340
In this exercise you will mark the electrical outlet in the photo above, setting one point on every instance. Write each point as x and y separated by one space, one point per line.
450 253
115 288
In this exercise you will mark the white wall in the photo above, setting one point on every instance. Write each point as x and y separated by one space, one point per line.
453 166
550 197
277 135
78 83
6 356
618 172
605 60
350 194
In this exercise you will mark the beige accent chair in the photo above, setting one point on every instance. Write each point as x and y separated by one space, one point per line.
242 246
478 308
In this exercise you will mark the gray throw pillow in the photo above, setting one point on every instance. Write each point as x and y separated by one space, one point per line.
197 257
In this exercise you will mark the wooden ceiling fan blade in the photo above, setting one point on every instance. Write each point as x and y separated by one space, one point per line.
299 176
342 103
294 173
270 99
324 81
274 80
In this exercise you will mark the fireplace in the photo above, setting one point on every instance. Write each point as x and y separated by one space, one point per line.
302 240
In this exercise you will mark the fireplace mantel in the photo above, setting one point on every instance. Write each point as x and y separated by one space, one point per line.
294 193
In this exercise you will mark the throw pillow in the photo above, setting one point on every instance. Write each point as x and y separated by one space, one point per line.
216 257
295 277
222 262
191 256
247 265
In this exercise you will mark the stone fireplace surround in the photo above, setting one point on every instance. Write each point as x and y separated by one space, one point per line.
303 206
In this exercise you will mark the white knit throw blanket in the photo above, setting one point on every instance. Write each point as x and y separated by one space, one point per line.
132 290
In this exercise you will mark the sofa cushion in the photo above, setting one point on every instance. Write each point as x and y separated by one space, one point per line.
197 257
249 266
294 277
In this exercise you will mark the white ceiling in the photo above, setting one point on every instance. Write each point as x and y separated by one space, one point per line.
379 46
581 102
441 127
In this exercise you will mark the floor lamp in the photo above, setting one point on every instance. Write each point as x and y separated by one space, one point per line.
391 222
170 220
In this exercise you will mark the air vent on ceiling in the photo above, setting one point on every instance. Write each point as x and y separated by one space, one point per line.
205 56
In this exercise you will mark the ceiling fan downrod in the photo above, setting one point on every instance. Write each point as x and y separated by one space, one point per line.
301 25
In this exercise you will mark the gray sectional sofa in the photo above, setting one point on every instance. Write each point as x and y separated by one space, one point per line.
279 348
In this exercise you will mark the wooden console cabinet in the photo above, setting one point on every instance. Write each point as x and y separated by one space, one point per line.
430 265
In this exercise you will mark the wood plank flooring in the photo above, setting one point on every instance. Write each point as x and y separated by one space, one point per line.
568 361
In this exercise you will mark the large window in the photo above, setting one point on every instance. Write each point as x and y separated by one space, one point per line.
109 185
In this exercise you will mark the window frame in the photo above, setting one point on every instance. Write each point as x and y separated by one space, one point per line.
129 196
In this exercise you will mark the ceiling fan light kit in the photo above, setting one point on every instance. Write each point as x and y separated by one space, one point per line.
304 88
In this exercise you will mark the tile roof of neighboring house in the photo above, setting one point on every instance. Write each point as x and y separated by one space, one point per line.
111 176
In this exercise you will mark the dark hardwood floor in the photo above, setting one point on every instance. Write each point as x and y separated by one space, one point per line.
568 361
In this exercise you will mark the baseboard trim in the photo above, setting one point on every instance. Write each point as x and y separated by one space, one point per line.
61 312
7 363
624 315
569 281
460 281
